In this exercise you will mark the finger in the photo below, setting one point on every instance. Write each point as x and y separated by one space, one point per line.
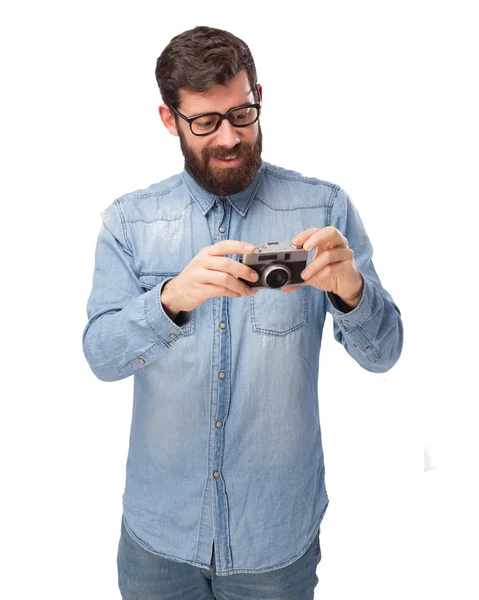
222 279
232 266
330 236
230 247
339 254
304 235
218 290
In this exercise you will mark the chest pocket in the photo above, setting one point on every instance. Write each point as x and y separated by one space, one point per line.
274 312
148 282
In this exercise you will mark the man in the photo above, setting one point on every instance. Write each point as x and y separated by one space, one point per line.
225 481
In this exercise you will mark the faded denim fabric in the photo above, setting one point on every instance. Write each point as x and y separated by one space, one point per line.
225 443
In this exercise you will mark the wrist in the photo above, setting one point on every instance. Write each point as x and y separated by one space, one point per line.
353 302
167 301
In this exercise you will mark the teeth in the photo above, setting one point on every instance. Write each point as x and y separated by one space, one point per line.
229 157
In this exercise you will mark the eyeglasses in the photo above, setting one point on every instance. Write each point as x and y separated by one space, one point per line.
208 123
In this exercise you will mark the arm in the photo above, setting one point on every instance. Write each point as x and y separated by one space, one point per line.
370 326
127 328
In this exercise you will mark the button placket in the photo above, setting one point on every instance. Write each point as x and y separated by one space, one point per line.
222 341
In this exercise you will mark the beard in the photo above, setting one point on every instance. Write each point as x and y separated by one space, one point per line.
227 180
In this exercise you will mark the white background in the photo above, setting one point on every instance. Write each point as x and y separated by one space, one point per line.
384 103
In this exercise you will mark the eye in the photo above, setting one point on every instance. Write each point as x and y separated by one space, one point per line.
242 116
245 115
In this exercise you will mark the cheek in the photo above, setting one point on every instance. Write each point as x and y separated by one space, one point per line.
252 136
197 149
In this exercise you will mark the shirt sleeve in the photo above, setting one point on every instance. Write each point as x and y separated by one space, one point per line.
127 328
371 333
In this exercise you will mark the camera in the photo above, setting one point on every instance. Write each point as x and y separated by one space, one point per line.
277 264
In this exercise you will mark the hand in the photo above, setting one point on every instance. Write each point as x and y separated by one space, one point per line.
207 275
333 268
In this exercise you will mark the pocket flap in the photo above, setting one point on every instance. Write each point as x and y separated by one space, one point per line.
149 281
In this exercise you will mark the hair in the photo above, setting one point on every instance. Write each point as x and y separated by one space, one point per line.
199 59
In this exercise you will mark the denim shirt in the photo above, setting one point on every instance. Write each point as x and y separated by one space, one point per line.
225 441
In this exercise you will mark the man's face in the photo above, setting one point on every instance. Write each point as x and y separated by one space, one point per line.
201 152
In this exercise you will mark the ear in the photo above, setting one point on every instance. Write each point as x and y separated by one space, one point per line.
260 89
168 119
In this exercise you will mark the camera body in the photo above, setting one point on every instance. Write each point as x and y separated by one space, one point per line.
277 264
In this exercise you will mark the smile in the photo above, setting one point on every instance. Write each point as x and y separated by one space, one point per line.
231 162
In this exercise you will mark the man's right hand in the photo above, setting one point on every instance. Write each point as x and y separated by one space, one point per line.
210 273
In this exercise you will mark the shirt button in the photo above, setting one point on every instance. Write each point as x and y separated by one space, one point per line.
221 229
219 424
222 375
172 336
216 474
222 325
141 361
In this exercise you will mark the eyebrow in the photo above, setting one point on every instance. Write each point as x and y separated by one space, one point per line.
216 111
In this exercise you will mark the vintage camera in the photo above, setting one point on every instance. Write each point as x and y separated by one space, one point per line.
277 264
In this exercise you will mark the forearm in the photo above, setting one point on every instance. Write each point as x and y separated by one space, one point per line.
117 343
372 332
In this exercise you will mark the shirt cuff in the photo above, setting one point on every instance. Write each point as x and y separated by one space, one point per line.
358 315
158 320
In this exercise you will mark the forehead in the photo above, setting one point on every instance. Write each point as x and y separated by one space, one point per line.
217 99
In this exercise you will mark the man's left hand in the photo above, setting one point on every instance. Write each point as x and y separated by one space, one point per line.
333 268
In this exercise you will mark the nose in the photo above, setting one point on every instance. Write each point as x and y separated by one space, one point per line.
226 135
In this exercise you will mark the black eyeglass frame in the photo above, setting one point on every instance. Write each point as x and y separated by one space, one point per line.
190 120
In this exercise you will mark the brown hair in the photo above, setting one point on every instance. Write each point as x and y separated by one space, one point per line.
199 59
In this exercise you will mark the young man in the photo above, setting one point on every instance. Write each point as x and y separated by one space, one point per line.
225 482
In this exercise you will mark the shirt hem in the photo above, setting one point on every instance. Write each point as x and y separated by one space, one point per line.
145 546
224 572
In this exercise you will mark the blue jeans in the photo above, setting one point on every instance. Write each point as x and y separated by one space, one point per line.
143 575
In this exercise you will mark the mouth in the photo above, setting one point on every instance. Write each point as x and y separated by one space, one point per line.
229 162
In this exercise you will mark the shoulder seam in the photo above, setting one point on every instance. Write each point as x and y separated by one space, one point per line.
123 224
140 194
299 177
332 200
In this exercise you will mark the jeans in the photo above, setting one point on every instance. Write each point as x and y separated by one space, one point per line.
143 575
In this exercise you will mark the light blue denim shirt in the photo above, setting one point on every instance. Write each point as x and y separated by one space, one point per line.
225 443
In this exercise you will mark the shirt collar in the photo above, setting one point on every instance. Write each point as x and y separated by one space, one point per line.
240 201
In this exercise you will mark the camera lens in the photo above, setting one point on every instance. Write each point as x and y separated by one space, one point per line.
276 277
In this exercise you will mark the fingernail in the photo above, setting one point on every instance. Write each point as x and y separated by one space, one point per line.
305 274
249 247
296 240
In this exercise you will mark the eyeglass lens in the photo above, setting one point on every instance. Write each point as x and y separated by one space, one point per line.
239 117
